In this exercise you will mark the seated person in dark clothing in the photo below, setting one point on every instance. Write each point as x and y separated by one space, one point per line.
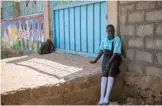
47 47
111 49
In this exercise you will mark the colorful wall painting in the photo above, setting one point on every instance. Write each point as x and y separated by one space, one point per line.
26 33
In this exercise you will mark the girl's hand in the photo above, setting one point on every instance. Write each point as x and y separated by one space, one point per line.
92 61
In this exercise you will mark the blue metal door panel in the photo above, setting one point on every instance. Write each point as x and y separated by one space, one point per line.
103 20
72 39
56 29
67 31
61 21
84 29
79 29
97 37
90 27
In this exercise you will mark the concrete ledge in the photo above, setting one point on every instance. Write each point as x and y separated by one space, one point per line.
81 91
81 88
66 93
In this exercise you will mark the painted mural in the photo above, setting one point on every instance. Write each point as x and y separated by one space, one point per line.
26 34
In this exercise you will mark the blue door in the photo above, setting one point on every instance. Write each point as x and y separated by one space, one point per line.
79 27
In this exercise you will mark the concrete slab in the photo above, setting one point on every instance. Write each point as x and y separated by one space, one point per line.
38 70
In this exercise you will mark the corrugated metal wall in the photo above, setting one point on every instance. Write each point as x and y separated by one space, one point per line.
79 29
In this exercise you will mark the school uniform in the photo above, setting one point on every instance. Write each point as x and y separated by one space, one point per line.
109 47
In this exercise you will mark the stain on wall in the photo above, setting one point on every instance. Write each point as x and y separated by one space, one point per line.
24 33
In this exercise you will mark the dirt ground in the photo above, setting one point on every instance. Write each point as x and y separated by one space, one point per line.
33 70
11 52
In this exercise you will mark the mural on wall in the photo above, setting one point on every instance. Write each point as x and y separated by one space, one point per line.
26 34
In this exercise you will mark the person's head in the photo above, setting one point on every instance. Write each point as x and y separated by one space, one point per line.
110 30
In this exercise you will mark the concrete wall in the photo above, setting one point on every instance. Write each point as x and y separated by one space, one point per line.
83 90
47 17
141 26
80 91
112 14
50 21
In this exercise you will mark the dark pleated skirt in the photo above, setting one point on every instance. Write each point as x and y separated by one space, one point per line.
114 67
